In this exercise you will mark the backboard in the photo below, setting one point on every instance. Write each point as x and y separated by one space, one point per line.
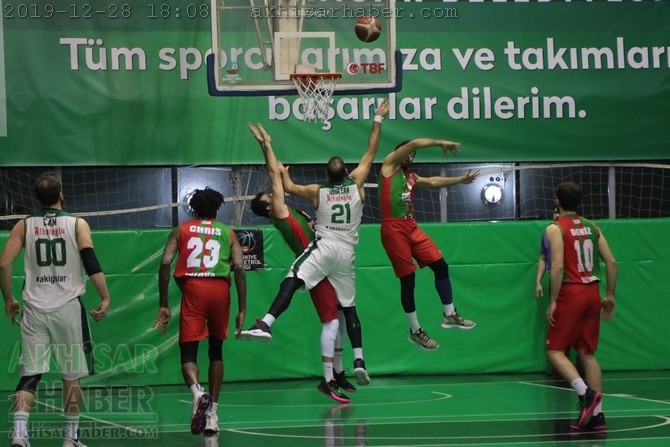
258 44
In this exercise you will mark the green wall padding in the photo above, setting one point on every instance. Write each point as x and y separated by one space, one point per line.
492 266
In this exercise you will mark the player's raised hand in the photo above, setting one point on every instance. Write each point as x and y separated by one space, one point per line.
383 108
264 134
256 133
470 177
283 169
450 147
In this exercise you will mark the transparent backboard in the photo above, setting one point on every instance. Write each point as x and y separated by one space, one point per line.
256 45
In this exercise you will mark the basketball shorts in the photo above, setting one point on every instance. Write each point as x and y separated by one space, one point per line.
325 300
205 309
577 319
58 336
324 258
404 241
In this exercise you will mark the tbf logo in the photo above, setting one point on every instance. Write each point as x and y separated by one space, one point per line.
366 67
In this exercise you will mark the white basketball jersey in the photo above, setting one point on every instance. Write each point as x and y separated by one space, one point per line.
54 272
339 212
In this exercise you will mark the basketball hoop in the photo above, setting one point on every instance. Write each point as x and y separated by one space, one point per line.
315 90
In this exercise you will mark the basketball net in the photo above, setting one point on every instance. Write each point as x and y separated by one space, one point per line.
315 90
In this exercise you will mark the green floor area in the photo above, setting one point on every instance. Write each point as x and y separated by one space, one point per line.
474 410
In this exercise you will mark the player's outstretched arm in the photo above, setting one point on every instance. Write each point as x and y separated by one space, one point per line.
438 182
305 191
279 208
360 174
394 160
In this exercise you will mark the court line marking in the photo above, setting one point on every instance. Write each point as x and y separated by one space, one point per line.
567 435
625 396
443 396
84 416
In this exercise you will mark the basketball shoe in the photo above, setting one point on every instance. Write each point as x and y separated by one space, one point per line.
69 442
587 403
455 320
343 383
362 376
331 390
212 423
20 442
423 340
202 402
598 423
259 331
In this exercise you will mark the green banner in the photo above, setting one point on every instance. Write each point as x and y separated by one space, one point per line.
126 84
492 268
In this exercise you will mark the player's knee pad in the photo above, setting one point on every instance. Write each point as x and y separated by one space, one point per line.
215 350
440 269
29 383
330 329
189 352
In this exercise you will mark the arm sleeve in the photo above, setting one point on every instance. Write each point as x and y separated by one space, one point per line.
90 261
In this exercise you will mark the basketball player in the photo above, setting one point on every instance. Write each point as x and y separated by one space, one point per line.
576 244
207 250
296 227
59 251
339 210
403 239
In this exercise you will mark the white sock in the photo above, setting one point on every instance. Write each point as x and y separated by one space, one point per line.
598 409
337 361
21 424
215 406
449 309
579 386
413 321
358 353
196 389
269 319
328 371
72 426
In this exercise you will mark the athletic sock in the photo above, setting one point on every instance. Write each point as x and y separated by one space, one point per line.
328 371
21 424
579 386
413 321
72 426
196 389
337 361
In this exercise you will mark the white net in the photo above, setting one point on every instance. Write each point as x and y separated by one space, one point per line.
315 90
156 197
